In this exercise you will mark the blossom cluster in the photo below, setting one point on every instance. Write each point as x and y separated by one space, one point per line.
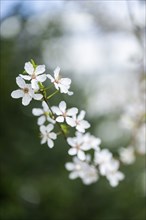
133 120
63 118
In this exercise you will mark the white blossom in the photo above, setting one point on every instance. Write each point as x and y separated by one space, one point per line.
108 166
127 155
82 142
88 173
44 114
113 174
62 84
25 92
34 74
80 123
90 141
47 135
64 114
77 147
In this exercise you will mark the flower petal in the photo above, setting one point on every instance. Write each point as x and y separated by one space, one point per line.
50 77
72 151
71 142
56 72
65 81
37 96
29 68
50 127
43 129
20 82
52 135
45 106
69 166
62 106
17 94
81 115
44 139
37 111
56 110
26 99
41 120
85 124
26 77
81 155
50 143
60 119
40 69
34 84
70 121
41 78
73 175
72 111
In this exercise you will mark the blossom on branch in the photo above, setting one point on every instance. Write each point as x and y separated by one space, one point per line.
25 92
64 114
62 84
47 135
87 173
34 74
44 114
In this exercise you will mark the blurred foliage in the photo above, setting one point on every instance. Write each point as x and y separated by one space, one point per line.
34 183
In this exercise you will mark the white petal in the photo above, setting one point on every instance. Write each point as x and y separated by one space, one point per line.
50 127
52 135
17 94
60 119
34 84
70 121
40 69
72 111
65 81
71 142
45 106
56 72
41 120
80 128
69 166
70 93
41 78
26 99
43 141
72 151
56 110
37 96
43 129
37 111
20 82
50 143
81 115
50 77
73 175
26 77
29 68
81 155
62 106
85 124
51 120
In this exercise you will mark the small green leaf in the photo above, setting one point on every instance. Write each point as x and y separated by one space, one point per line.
65 128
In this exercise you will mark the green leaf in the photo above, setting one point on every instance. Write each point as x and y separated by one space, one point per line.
65 128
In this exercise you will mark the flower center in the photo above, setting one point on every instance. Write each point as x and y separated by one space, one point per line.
33 76
25 90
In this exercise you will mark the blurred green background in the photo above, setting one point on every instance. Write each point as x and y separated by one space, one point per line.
83 38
